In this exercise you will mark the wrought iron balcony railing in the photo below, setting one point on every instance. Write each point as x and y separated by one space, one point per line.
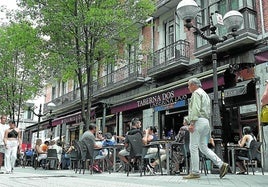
119 78
171 56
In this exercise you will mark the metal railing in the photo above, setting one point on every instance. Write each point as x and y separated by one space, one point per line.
125 74
178 52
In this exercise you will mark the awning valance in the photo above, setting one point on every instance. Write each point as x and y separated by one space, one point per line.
239 89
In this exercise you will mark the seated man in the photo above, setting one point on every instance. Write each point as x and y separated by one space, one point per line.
150 136
89 134
134 128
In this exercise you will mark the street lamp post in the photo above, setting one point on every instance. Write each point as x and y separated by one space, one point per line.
39 114
187 10
51 106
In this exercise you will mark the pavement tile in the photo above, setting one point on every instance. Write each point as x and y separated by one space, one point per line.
28 177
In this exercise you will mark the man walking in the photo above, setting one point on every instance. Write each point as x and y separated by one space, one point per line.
199 128
3 127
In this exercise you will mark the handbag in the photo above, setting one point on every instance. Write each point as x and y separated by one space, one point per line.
264 114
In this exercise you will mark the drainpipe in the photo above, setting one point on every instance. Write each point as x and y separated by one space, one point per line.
103 117
260 127
262 19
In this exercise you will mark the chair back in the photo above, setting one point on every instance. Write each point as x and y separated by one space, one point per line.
79 148
52 153
74 155
254 152
135 144
89 147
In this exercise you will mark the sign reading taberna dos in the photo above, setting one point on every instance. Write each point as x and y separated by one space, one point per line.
163 99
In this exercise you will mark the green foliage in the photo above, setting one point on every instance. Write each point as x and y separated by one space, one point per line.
20 65
83 32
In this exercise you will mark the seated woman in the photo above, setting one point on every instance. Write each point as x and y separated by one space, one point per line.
149 136
40 151
244 142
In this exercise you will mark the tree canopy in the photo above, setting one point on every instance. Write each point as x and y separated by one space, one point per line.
83 32
21 66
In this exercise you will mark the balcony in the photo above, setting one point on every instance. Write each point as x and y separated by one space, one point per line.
119 80
169 59
65 100
163 6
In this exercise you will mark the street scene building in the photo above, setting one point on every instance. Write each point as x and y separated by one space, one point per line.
150 83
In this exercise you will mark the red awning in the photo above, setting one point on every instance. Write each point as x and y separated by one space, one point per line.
76 117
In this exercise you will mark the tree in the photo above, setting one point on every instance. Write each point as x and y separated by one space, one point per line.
85 32
20 66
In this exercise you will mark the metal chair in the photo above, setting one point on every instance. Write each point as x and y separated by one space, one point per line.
74 159
253 155
78 146
52 159
203 162
92 154
185 152
37 163
150 156
135 146
176 157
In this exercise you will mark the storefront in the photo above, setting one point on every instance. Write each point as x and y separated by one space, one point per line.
163 108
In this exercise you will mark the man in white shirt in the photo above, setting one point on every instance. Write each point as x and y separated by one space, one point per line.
199 128
3 128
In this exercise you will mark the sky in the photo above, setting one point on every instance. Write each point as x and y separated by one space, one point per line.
10 4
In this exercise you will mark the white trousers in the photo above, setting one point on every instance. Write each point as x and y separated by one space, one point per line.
11 154
163 156
198 139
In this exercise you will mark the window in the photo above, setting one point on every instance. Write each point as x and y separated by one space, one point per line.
28 115
95 71
202 21
170 39
63 88
226 5
53 93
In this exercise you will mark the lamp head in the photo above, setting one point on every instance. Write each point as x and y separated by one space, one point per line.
187 10
233 20
51 106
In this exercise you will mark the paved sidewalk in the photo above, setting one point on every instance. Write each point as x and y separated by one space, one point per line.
28 177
